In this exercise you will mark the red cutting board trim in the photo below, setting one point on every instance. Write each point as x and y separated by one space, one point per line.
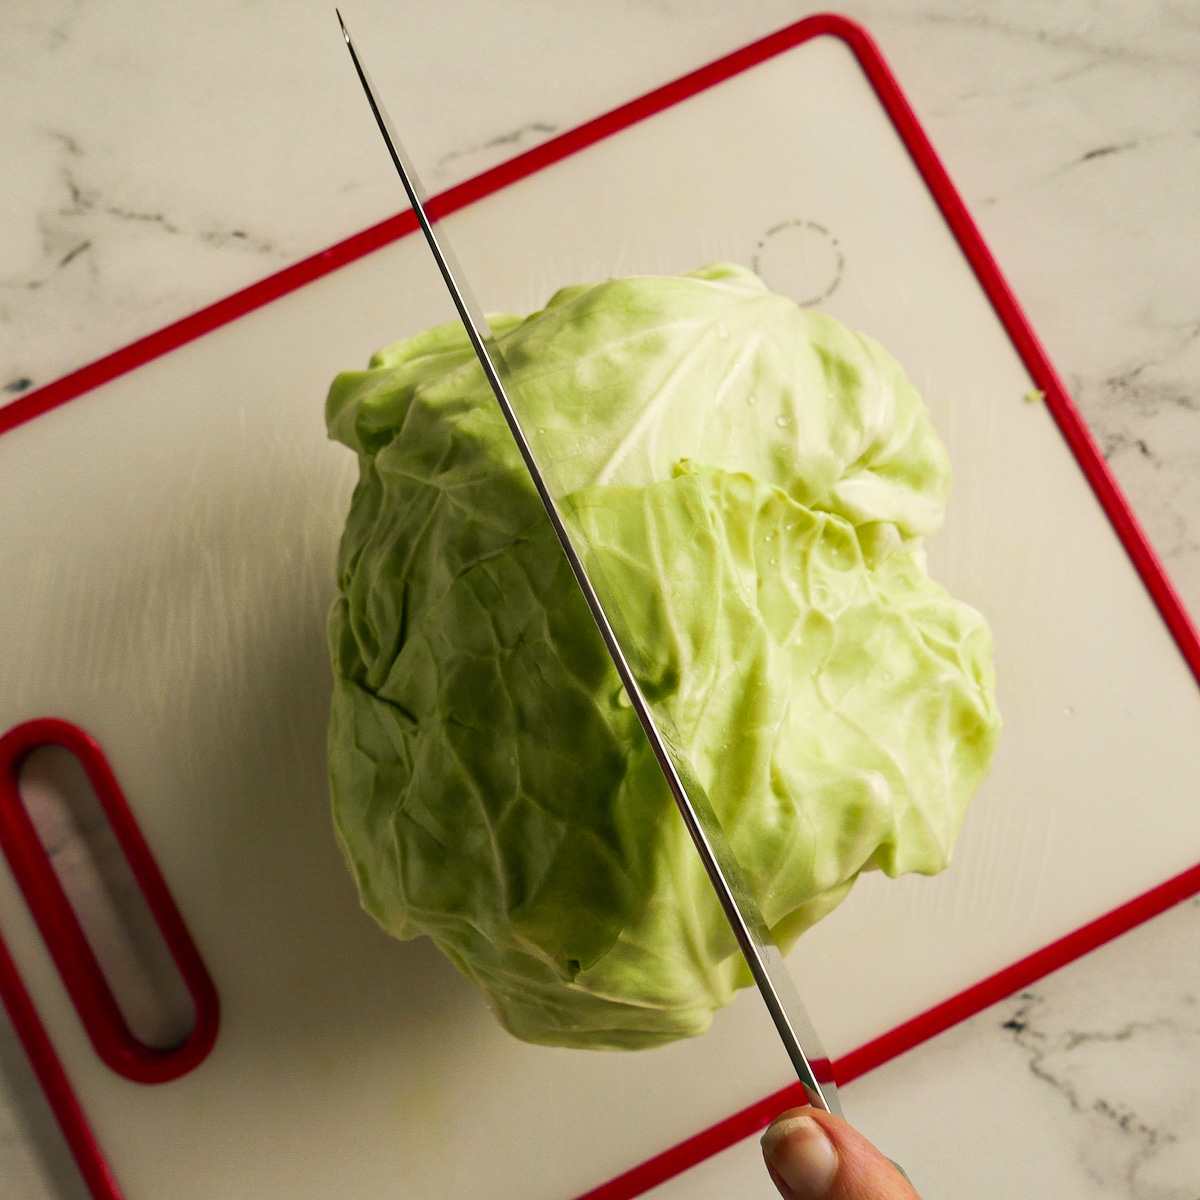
688 1153
59 924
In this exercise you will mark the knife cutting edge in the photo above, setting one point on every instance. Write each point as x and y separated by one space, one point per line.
762 956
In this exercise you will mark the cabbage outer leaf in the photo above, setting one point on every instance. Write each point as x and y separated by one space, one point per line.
753 480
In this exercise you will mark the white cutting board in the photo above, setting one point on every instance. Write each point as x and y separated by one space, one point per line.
169 552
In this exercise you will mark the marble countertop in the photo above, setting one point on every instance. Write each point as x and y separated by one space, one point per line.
157 157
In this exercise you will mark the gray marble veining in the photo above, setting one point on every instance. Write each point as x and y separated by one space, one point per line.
1113 1047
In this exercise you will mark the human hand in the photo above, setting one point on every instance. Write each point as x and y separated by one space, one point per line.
813 1155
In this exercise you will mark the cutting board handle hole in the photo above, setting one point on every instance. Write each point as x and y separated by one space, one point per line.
104 895
101 904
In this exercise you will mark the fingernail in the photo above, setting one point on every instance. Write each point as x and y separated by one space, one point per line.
802 1156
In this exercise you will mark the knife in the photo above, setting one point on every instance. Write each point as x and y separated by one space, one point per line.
762 955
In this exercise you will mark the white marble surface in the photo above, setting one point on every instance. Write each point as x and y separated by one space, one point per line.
157 156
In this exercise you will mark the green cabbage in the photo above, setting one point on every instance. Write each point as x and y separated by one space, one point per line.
753 480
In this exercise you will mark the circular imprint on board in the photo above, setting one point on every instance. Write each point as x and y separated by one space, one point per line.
801 259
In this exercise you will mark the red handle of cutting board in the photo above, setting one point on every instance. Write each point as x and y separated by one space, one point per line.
74 957
81 972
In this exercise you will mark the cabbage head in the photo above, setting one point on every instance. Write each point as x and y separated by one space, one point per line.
754 480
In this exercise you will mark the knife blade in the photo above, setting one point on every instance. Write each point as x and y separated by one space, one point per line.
762 955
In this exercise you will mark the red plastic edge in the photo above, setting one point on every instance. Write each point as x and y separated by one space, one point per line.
55 1085
905 1037
81 973
1063 411
1066 416
188 329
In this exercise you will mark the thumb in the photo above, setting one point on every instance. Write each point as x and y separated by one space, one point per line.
813 1155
